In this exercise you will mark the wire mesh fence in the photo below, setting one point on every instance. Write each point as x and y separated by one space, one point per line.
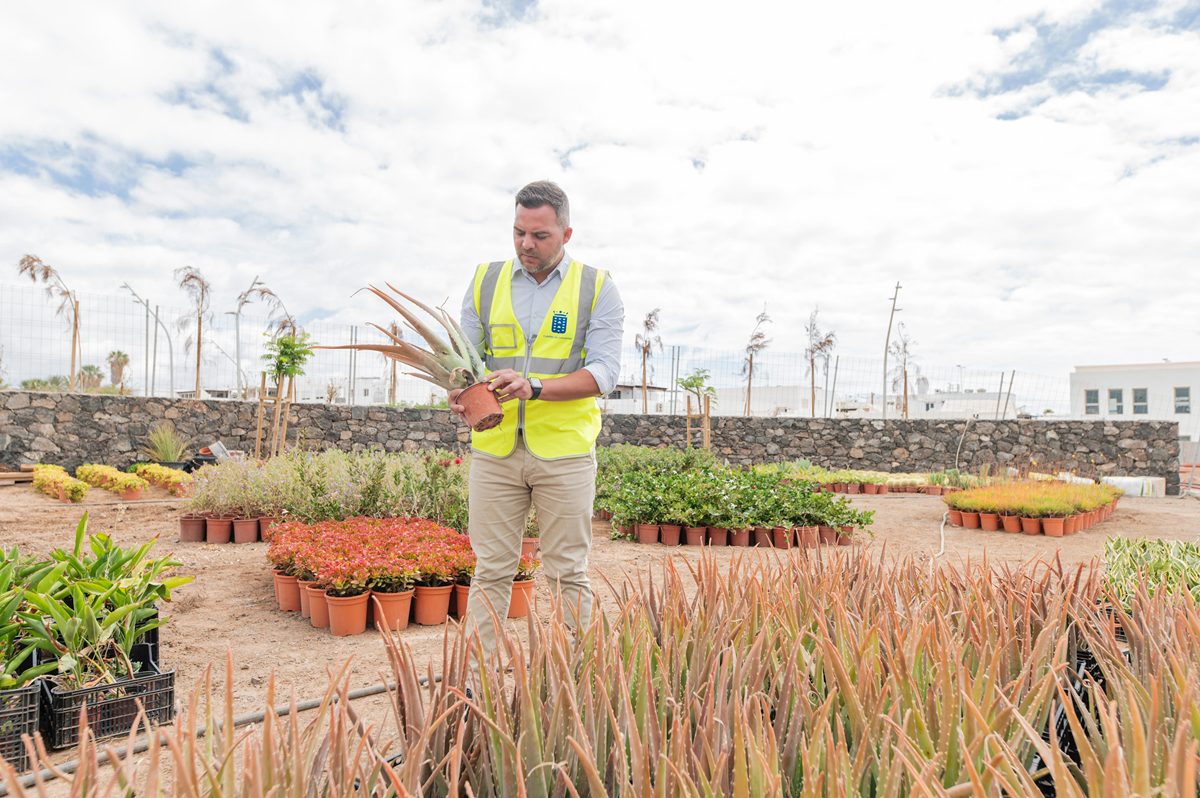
148 349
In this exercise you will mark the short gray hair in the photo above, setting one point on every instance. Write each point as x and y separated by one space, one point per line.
544 192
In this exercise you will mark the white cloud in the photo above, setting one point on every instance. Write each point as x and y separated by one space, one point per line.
716 159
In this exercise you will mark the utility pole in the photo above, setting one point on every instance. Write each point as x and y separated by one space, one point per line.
886 343
166 332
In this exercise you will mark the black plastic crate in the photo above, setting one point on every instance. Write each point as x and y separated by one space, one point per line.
18 715
111 708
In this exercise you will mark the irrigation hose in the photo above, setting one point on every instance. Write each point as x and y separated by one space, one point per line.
143 742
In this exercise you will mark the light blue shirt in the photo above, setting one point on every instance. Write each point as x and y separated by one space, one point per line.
531 302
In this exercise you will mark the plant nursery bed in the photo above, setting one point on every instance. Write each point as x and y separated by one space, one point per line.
232 602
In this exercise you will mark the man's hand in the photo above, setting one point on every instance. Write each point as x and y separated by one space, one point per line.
509 385
456 408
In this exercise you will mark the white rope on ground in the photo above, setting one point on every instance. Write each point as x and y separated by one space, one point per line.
942 550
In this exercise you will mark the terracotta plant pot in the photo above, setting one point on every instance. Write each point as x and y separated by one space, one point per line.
810 537
839 487
989 522
934 490
1071 525
670 535
305 606
1053 527
740 537
431 605
647 533
1012 523
870 488
191 529
828 535
883 489
462 594
481 408
318 608
264 524
718 536
62 495
847 536
970 520
392 609
530 546
781 537
762 537
695 535
852 487
1031 526
522 599
218 530
289 593
955 518
245 530
131 495
275 573
347 614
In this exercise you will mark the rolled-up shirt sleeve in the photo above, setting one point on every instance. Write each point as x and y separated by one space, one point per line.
603 343
469 320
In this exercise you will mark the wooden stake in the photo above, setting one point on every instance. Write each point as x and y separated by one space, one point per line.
275 422
706 421
689 421
287 409
262 398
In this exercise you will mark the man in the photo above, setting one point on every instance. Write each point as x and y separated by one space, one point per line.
549 329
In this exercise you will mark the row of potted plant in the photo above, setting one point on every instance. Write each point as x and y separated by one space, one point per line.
128 486
1035 507
728 503
337 573
311 487
55 482
73 629
173 480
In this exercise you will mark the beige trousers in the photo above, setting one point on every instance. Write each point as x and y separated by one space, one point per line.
501 490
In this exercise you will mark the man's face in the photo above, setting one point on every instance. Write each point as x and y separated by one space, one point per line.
538 239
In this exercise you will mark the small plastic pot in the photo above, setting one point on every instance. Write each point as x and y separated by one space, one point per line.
740 537
670 535
695 535
522 599
392 609
481 408
647 533
347 614
718 536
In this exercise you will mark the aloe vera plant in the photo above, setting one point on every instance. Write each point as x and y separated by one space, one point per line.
763 676
449 365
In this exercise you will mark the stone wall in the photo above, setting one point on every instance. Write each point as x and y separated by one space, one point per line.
70 429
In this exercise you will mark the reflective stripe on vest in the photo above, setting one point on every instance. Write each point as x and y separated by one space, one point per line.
552 429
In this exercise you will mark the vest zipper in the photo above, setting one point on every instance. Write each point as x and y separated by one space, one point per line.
525 373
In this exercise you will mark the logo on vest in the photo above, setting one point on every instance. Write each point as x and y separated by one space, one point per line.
558 323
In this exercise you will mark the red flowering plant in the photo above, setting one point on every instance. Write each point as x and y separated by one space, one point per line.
465 570
527 568
286 540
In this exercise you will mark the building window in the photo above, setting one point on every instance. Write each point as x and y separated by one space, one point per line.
1116 401
615 394
1140 406
366 391
1183 400
929 405
1091 402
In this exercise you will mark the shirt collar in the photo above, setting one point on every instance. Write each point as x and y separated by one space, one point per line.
558 271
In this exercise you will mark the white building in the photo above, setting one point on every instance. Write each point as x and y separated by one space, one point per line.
1139 392
939 404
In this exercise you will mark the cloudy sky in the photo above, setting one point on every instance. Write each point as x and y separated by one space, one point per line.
1029 172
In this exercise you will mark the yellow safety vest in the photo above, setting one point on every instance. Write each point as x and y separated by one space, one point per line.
552 429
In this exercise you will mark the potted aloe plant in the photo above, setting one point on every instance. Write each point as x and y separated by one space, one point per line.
450 365
522 594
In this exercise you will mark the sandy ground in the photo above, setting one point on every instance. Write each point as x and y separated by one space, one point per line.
231 602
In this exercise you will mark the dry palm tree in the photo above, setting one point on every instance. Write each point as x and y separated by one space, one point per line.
68 306
645 341
280 320
902 349
200 292
758 342
117 361
819 346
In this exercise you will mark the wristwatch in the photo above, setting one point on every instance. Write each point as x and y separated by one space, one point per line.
536 384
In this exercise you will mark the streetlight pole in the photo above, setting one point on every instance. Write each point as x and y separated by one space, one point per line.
886 343
170 345
237 334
